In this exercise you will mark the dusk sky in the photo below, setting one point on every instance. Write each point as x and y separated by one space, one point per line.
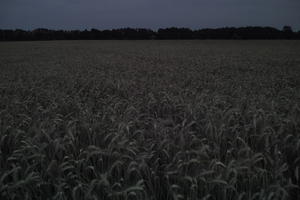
108 14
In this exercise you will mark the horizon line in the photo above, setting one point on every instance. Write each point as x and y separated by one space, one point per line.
152 29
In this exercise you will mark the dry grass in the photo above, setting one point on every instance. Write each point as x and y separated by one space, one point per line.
150 120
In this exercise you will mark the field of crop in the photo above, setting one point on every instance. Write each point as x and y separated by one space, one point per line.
153 120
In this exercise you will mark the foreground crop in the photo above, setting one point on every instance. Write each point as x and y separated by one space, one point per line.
150 120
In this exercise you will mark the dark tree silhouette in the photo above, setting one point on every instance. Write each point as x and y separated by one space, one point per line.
173 33
288 32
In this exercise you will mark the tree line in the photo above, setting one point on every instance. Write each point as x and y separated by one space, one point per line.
147 34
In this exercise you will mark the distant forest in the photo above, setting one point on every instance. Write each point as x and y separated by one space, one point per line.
173 33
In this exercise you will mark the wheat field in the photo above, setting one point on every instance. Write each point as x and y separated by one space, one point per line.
153 120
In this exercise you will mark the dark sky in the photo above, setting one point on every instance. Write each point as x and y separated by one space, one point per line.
107 14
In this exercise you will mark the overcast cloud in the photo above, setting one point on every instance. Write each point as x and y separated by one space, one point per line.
107 14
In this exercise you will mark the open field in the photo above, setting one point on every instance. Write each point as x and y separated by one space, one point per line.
150 120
